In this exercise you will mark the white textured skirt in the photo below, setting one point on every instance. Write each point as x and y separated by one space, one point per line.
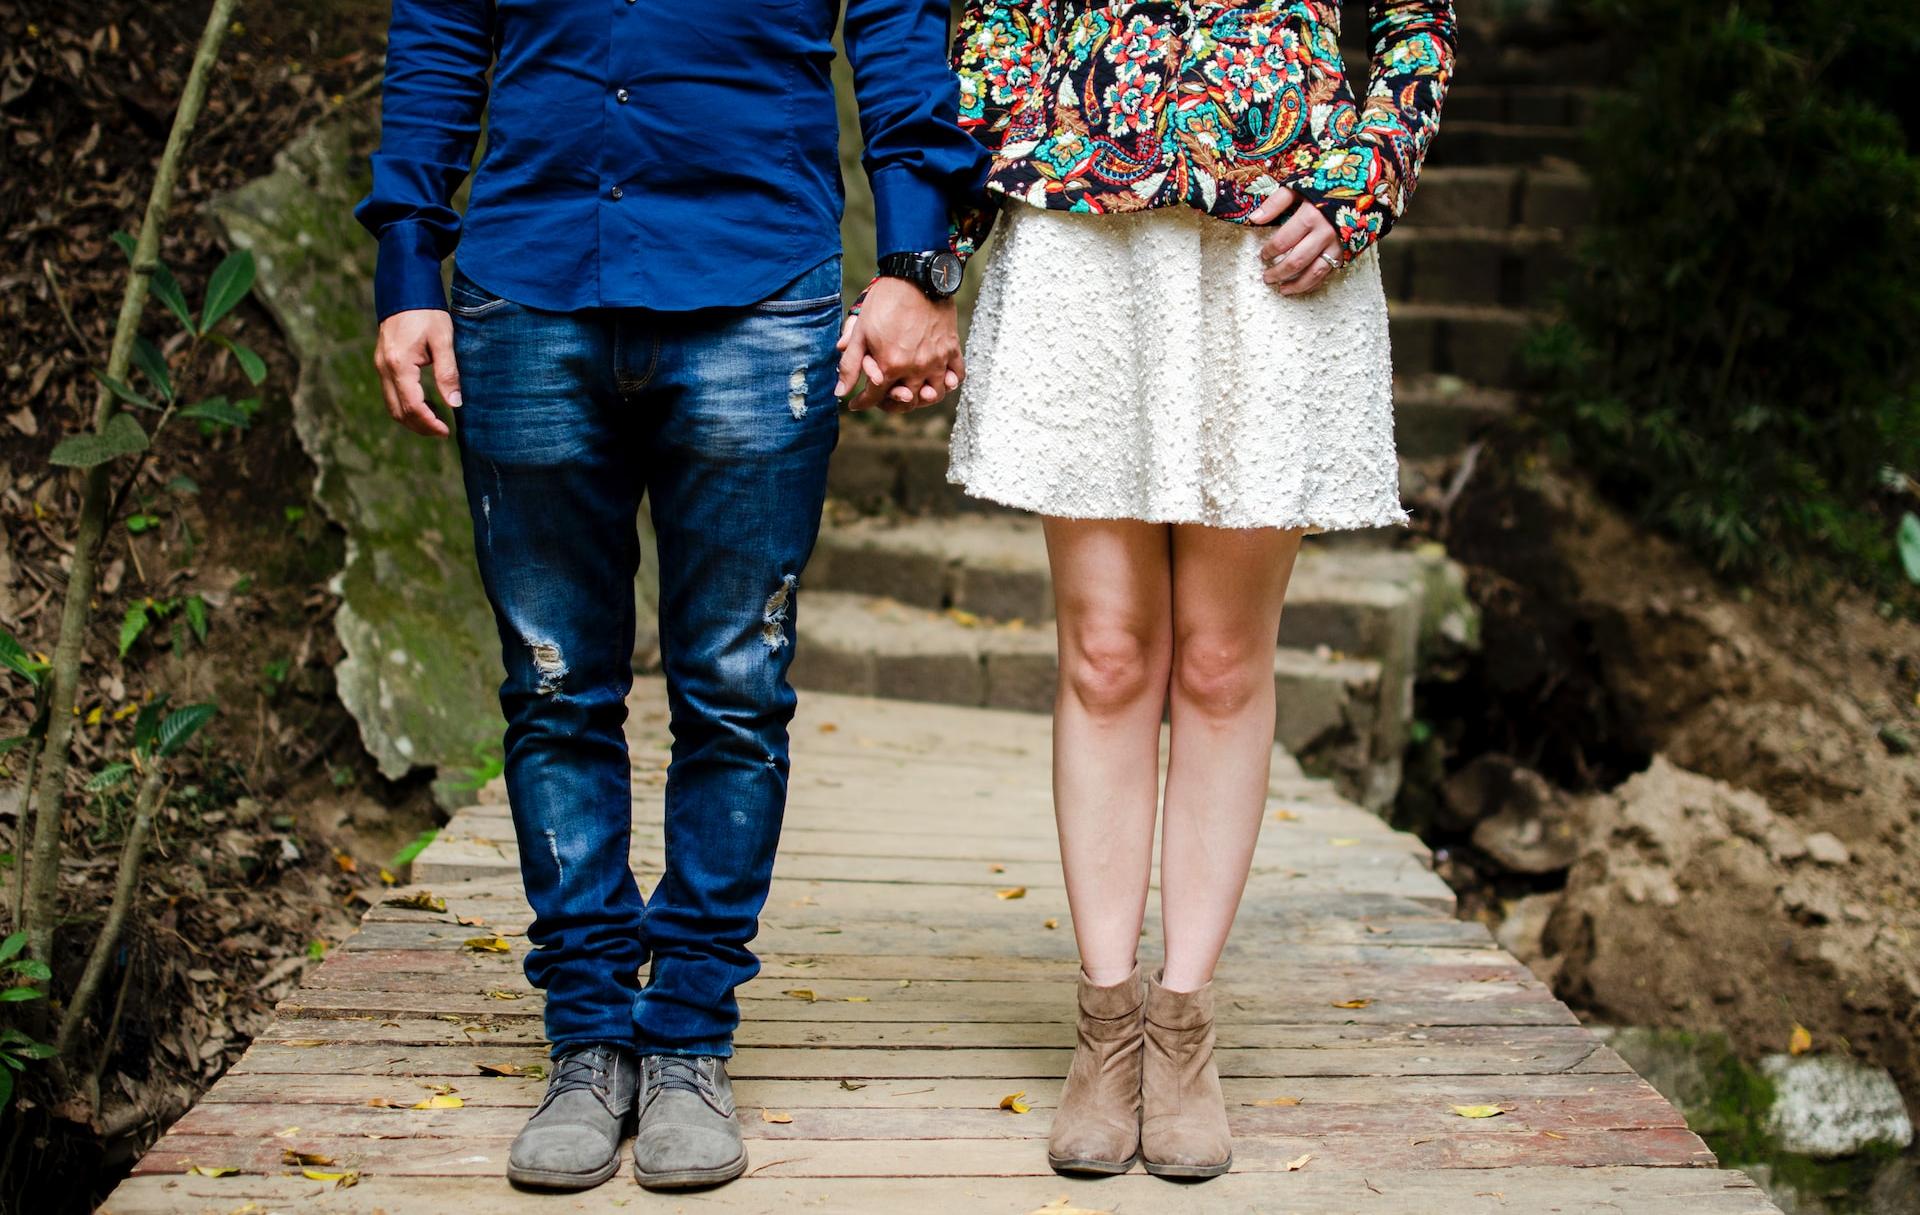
1137 367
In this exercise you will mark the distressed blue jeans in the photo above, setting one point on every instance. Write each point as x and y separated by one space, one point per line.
724 419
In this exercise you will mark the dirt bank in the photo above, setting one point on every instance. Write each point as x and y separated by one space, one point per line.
1788 893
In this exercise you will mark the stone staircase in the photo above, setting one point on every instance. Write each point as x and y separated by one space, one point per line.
919 593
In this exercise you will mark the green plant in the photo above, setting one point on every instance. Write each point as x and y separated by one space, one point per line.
18 976
99 453
1737 358
157 737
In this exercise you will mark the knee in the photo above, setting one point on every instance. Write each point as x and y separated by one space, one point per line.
1221 677
1110 669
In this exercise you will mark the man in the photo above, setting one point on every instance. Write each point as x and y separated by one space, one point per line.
647 301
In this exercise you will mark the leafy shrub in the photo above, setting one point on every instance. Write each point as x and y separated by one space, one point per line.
1738 356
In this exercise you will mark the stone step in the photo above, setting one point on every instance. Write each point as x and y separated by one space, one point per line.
1513 267
1499 196
1472 142
1437 415
1341 716
881 471
1542 105
994 568
1478 343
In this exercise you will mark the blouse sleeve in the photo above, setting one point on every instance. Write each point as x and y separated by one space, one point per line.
1362 185
999 53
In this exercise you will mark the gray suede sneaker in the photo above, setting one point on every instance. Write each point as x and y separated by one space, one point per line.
688 1135
572 1142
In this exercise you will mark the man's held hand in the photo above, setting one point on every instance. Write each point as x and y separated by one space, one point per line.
906 345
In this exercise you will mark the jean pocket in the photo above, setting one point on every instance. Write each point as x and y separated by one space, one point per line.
469 298
815 291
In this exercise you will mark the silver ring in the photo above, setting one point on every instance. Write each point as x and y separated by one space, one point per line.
1332 261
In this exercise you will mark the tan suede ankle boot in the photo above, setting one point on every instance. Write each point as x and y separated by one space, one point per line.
1183 1125
1097 1127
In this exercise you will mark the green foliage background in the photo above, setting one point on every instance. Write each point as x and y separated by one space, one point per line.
1738 354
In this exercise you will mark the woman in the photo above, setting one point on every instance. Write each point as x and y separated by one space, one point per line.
1179 359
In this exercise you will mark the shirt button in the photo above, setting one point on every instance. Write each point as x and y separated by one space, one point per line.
620 95
616 193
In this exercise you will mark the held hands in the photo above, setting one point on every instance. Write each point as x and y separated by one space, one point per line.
906 345
409 341
1304 252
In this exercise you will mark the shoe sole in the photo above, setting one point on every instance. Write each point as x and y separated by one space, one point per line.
1194 1171
1098 1168
690 1179
545 1180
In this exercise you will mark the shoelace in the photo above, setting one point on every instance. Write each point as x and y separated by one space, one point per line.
581 1071
674 1071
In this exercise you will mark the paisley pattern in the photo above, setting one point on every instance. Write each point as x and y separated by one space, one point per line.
1109 108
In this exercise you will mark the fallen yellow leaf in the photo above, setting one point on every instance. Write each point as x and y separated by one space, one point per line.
801 993
387 878
1477 1111
996 868
488 945
1298 1163
501 1069
419 900
1800 1041
1011 892
1276 1101
1285 816
827 727
290 1156
497 994
906 982
1062 1206
851 1087
1050 923
211 1170
341 1181
1359 1003
1012 1102
1342 842
383 1103
772 1116
440 1101
859 999
1553 1134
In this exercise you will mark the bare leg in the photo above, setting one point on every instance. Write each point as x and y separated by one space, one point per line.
1228 587
1111 586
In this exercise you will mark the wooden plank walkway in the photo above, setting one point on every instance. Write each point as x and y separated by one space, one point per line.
905 994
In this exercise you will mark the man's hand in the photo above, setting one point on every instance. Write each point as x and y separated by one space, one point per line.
907 345
409 341
1305 251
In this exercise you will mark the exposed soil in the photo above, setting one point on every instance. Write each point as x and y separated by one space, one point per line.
1689 903
278 824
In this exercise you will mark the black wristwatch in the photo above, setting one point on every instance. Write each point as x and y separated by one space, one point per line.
937 272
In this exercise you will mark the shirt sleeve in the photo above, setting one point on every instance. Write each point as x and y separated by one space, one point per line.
921 164
438 53
1362 184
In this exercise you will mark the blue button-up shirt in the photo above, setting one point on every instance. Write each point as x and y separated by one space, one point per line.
667 154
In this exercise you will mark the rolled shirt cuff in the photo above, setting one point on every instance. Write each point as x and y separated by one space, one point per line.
406 275
910 214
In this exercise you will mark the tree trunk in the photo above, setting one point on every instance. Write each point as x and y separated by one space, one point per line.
43 876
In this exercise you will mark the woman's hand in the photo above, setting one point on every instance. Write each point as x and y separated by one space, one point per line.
1305 251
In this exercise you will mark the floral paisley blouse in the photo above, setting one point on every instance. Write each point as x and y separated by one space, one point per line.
1110 107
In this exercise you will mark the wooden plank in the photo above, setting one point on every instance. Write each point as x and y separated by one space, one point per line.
1318 1187
483 1155
1618 1099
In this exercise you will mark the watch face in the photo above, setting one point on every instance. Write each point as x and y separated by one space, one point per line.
945 273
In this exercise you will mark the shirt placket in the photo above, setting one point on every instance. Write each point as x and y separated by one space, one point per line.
619 147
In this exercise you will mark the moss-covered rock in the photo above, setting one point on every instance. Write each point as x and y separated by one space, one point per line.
422 658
